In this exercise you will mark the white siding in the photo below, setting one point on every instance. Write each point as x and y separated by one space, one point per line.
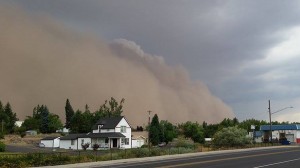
51 143
84 140
67 144
47 143
107 130
137 143
127 133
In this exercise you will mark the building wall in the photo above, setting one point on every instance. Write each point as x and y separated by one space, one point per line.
84 141
137 143
51 143
47 143
289 133
127 133
66 144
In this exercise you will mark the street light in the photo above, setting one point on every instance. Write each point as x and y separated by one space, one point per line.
270 116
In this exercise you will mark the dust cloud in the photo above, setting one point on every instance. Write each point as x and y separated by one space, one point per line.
44 62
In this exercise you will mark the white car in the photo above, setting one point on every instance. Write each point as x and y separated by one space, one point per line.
41 145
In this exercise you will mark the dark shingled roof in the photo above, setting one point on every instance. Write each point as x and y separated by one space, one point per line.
108 123
49 138
106 135
74 136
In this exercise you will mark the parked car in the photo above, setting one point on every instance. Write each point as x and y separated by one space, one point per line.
41 145
162 144
285 142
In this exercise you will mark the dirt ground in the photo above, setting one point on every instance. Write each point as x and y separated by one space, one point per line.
27 140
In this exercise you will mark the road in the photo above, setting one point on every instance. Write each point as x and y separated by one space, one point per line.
270 158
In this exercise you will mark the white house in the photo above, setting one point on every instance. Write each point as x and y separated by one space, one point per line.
74 141
51 142
112 132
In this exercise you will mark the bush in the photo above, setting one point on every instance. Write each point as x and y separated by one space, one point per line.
230 137
1 136
95 147
85 146
2 147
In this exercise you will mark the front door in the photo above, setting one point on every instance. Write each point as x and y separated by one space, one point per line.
115 143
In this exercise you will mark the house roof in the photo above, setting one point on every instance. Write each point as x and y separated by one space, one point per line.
280 127
73 136
106 135
108 123
138 134
49 138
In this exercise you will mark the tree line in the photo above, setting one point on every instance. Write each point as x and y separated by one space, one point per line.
79 121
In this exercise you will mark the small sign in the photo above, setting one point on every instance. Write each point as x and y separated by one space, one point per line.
253 127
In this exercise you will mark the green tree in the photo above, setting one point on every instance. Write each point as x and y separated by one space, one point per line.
81 122
69 113
110 109
168 131
246 124
31 123
44 119
155 131
210 130
194 131
12 118
54 123
230 137
4 118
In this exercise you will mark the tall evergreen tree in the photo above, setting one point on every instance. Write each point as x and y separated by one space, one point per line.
44 119
3 117
12 118
80 122
155 131
69 113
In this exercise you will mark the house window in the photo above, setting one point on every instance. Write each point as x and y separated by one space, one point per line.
106 140
123 129
126 141
82 141
100 126
72 142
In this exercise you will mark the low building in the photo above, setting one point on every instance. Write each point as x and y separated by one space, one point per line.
51 142
19 123
139 138
74 141
31 132
290 132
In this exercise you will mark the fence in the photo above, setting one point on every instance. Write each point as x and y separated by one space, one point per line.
68 157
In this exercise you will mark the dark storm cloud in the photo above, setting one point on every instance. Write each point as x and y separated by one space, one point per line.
219 42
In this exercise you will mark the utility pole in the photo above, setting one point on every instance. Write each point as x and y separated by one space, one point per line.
2 124
149 128
270 121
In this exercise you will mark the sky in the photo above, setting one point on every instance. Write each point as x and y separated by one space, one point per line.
244 52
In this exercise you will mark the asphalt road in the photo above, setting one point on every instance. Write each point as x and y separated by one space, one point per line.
270 158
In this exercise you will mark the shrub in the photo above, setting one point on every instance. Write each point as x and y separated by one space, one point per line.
2 147
230 137
95 147
85 146
23 134
1 135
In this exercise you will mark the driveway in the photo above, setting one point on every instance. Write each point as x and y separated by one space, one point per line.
26 148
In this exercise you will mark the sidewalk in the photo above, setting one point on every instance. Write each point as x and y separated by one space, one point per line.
156 158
